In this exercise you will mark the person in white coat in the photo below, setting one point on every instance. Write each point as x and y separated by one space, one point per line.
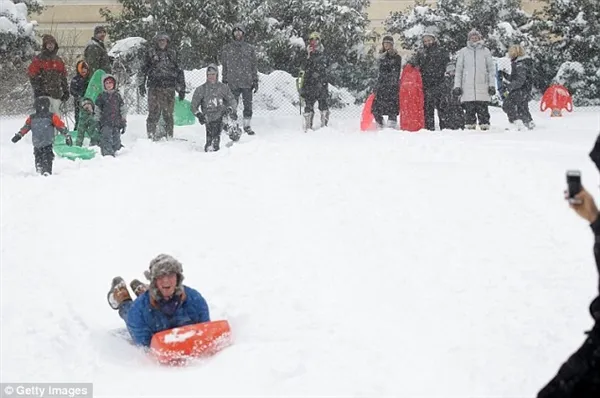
474 81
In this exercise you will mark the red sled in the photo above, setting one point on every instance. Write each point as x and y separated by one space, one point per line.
412 112
178 345
367 120
557 98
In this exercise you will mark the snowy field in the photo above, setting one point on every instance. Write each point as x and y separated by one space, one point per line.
350 264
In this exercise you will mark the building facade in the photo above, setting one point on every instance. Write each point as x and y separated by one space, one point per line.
73 21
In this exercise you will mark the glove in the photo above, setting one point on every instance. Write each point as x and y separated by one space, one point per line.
65 96
142 90
254 87
68 140
201 117
491 90
457 91
123 127
181 95
224 81
16 138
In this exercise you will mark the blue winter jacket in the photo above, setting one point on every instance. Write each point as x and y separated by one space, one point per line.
145 319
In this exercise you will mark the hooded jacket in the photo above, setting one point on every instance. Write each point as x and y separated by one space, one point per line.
316 78
47 72
161 68
213 99
238 59
432 62
110 107
42 124
79 82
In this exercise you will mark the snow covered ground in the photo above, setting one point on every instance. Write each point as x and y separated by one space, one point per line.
348 263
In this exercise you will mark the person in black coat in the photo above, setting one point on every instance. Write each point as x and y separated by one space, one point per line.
431 60
388 82
579 376
516 104
315 85
78 86
453 114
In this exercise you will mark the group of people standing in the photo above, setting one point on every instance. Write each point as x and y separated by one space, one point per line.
460 90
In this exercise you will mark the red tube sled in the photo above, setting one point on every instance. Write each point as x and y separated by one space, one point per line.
367 120
412 112
176 346
557 98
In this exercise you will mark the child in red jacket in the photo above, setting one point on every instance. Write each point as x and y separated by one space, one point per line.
42 124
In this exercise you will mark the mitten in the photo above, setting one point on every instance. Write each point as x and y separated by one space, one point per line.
181 95
16 138
457 91
491 90
68 140
201 117
65 96
142 90
255 87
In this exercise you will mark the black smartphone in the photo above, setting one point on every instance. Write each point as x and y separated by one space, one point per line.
573 183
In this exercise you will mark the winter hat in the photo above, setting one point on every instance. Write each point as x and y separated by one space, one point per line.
430 31
388 39
109 76
314 35
473 32
162 265
80 65
161 36
99 29
42 104
239 27
49 39
213 68
86 101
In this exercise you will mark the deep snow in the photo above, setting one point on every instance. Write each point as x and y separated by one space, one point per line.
348 263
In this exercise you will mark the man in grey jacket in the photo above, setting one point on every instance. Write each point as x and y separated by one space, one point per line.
211 102
474 81
240 72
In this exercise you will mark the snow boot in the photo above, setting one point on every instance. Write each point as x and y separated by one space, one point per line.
470 126
138 287
308 121
530 125
484 126
234 132
118 293
324 118
212 144
247 129
392 123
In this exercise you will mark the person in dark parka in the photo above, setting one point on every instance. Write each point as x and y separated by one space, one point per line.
453 113
432 61
315 86
516 104
388 82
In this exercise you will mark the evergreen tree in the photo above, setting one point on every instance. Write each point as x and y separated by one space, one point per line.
17 34
498 21
568 48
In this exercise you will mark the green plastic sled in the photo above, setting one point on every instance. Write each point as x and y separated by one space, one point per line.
94 87
182 115
71 152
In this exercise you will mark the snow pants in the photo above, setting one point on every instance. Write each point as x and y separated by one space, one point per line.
44 158
433 99
110 140
516 106
476 111
246 94
579 377
161 101
213 135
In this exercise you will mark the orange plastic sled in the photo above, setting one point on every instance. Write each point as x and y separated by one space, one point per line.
367 120
178 345
557 98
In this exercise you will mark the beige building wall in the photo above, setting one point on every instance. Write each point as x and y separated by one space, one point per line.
73 21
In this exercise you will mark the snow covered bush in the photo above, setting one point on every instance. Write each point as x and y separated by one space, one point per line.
17 34
568 48
499 21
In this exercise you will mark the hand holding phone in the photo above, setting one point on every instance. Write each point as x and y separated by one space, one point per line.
573 186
